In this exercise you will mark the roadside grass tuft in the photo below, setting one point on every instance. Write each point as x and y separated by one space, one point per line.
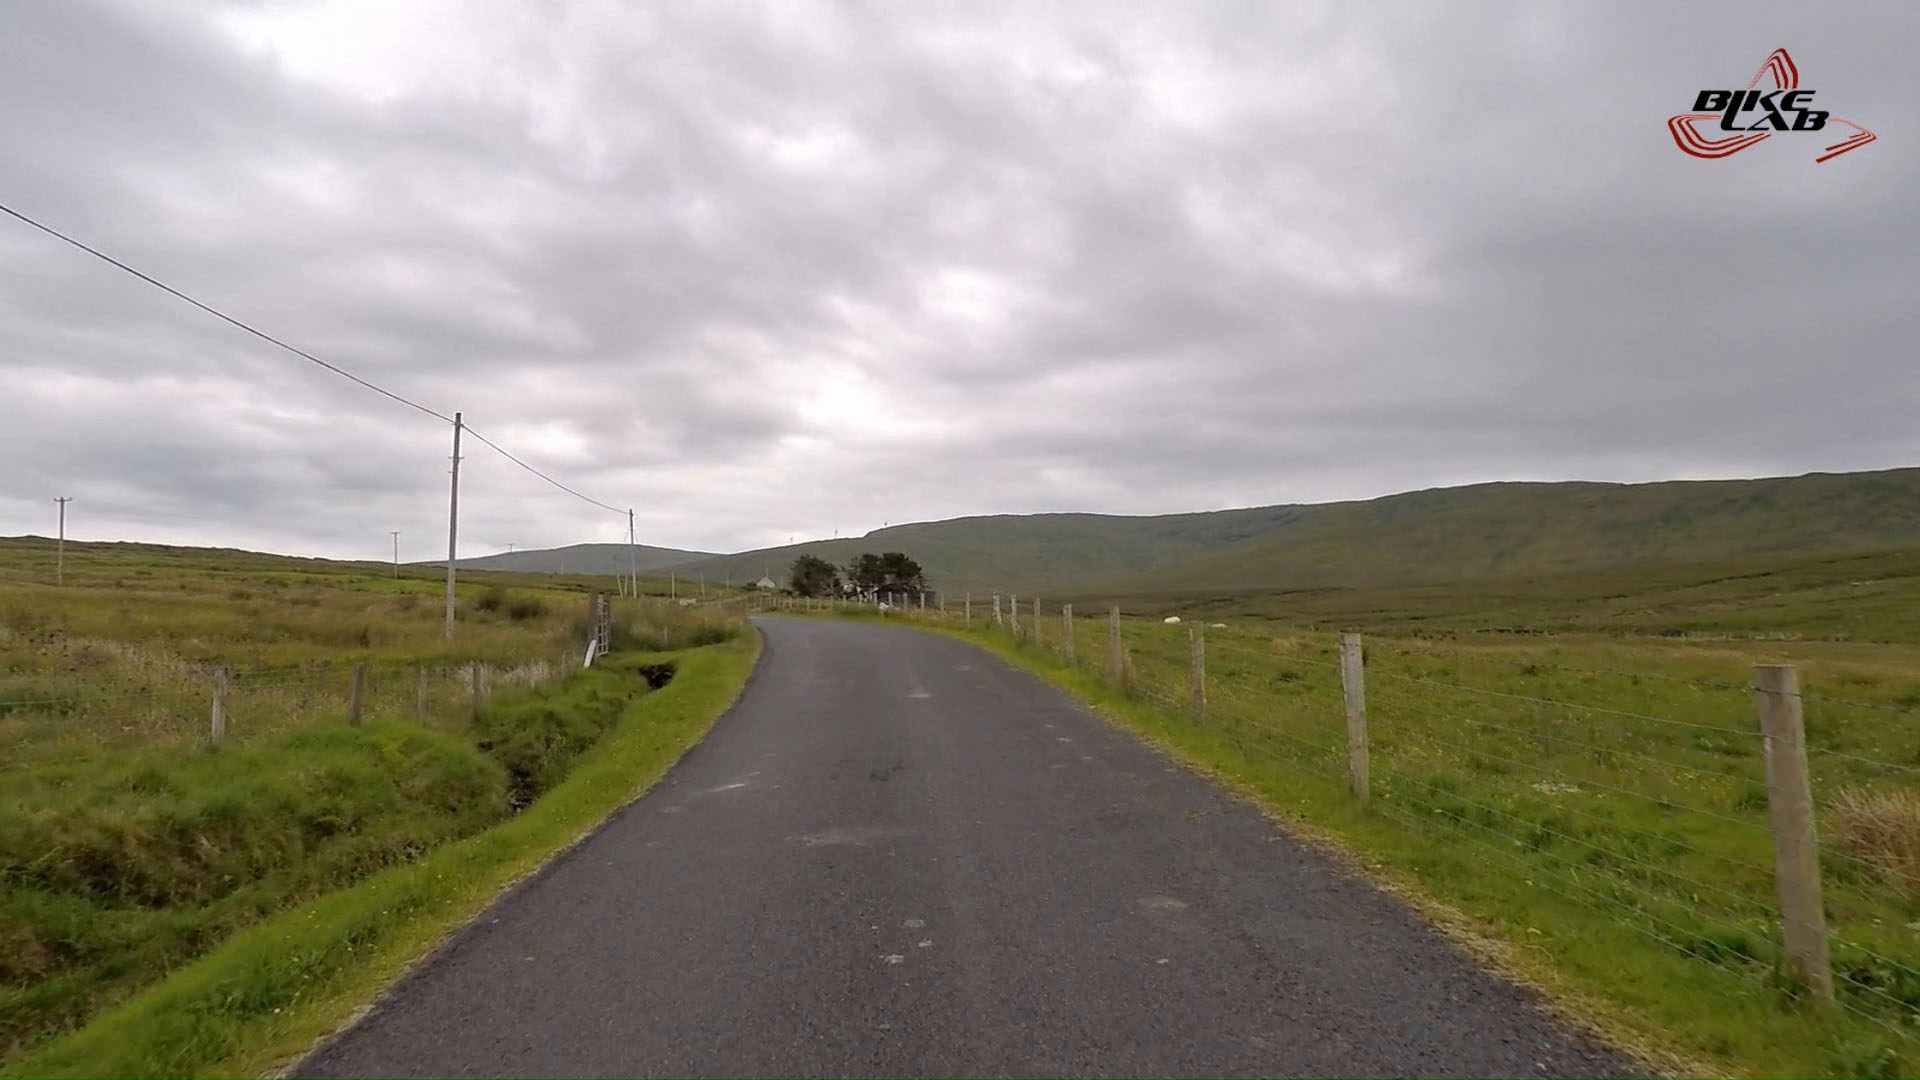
1882 827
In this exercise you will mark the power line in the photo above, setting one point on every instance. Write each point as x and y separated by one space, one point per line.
218 314
302 353
503 453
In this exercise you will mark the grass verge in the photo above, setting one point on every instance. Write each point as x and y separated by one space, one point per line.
1597 970
266 994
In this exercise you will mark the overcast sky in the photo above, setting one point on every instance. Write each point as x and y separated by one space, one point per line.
772 271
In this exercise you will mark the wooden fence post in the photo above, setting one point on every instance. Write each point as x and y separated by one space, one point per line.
1197 668
358 697
1353 686
1066 632
217 729
1013 614
996 609
1116 653
477 689
420 692
1796 854
966 611
1036 621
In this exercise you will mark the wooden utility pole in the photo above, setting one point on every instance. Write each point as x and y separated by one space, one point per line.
453 522
396 551
633 566
60 545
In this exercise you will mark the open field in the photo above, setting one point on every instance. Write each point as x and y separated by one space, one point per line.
1864 597
129 845
125 654
1594 804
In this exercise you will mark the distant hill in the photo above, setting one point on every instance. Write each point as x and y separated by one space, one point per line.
583 559
1509 529
1021 553
1479 532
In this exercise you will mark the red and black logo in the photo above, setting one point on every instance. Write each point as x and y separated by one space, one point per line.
1754 115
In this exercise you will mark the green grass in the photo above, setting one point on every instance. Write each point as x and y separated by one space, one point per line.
130 846
1594 806
123 655
262 996
1858 597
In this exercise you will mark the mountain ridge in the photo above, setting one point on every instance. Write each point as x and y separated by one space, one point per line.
1432 535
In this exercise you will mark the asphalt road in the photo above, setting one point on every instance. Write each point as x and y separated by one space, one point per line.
900 856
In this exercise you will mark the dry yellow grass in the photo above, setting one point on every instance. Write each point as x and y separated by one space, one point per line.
1880 827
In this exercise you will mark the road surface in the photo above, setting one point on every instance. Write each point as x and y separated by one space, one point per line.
898 856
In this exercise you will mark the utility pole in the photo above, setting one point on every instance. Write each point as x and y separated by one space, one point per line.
453 522
60 546
633 567
396 551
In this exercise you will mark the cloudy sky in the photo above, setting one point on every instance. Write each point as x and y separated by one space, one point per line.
767 271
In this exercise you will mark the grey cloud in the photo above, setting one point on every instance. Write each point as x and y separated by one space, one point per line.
772 272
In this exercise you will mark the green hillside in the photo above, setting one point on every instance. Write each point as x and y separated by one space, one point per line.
1871 596
584 559
1513 529
1484 531
1021 553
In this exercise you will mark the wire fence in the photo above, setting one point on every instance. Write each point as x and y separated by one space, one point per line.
42 725
1674 808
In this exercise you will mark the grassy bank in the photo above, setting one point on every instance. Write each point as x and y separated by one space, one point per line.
263 995
1590 809
129 845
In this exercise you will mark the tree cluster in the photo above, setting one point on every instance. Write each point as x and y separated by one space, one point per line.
891 577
